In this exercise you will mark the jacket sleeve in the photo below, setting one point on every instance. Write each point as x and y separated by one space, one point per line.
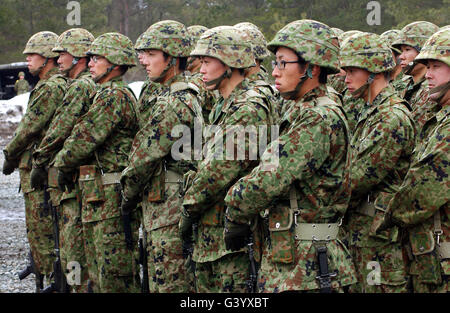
426 186
41 109
75 104
104 116
218 171
300 151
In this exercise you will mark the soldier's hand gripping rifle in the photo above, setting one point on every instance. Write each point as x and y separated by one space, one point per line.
59 284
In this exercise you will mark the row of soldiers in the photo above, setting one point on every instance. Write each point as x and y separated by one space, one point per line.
356 202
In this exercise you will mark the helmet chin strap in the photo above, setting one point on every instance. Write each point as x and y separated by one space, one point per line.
74 63
409 68
158 79
109 70
291 95
437 93
358 93
216 82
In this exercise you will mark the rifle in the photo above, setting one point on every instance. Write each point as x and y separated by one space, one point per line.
31 268
143 261
59 284
252 281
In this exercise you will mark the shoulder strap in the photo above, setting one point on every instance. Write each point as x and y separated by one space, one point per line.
179 86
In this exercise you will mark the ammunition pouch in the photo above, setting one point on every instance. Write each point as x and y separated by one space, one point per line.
91 184
281 230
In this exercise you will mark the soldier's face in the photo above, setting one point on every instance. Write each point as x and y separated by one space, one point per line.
64 61
154 62
288 77
34 62
407 56
438 73
98 66
211 68
355 78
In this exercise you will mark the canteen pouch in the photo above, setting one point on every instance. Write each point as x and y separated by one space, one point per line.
91 183
427 264
157 186
282 234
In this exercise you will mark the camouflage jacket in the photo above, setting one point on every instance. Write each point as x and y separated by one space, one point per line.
414 92
146 102
45 98
424 192
399 84
175 105
206 97
273 98
75 104
245 107
107 129
352 107
21 86
314 162
382 145
338 83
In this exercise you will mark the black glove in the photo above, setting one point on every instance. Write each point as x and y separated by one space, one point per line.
39 177
236 235
128 205
65 179
185 225
10 165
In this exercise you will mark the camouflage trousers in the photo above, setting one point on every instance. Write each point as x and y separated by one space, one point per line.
380 269
112 267
71 238
227 274
39 227
168 270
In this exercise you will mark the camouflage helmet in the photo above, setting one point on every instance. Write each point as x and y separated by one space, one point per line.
390 36
314 41
228 44
259 43
42 43
168 36
445 27
195 32
337 31
75 41
415 34
367 51
347 34
437 47
115 47
21 74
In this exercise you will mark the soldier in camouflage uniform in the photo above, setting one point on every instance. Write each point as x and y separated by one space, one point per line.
382 144
258 75
99 145
193 72
154 175
421 204
397 74
352 106
21 86
305 194
225 54
45 98
410 41
72 46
